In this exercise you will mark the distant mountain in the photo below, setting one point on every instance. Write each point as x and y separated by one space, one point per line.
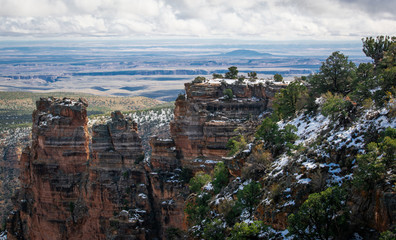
246 53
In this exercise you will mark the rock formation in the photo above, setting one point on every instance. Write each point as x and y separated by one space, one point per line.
70 191
77 186
205 119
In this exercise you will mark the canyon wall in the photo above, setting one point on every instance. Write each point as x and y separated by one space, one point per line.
205 119
76 185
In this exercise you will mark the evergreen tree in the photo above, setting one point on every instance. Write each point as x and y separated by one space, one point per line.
335 75
290 100
323 215
232 73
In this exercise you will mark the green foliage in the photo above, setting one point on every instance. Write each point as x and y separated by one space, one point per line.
388 235
335 75
241 79
220 178
252 76
375 48
198 209
232 73
365 81
214 230
233 213
290 100
387 68
216 75
228 94
323 215
198 181
249 196
370 170
387 146
236 144
336 106
275 139
246 231
372 165
199 79
278 77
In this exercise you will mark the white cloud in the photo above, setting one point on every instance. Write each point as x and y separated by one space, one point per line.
277 19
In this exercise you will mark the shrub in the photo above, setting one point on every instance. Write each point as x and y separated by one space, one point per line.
220 178
388 235
198 181
323 215
387 146
197 210
252 76
214 230
199 79
336 107
236 144
276 139
241 79
278 77
216 75
231 211
268 130
258 161
372 166
290 100
249 196
228 94
254 230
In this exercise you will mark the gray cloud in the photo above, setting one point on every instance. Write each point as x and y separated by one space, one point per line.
277 19
378 8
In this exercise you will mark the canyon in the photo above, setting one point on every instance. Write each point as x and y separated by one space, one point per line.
76 184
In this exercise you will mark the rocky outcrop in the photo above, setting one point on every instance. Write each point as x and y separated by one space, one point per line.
204 122
70 191
77 186
205 119
117 196
53 170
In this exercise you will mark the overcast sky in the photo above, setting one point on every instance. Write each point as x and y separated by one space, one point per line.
238 19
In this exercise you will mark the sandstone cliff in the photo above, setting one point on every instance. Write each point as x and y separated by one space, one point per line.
98 187
205 119
70 191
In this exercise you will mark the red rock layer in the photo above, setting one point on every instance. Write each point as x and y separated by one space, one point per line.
70 192
53 169
205 121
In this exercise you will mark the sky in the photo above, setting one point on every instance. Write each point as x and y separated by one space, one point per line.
210 19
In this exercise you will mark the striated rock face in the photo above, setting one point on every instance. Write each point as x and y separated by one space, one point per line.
76 186
53 170
205 120
70 191
117 196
